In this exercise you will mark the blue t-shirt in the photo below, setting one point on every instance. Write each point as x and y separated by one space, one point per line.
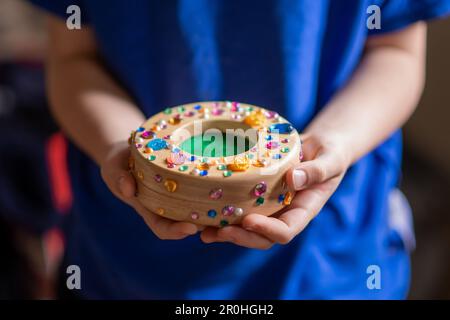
287 55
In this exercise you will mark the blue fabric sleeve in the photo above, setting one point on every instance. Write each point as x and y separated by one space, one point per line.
59 7
397 14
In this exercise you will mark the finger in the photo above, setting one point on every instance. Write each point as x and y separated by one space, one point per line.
309 173
304 207
272 228
126 185
164 228
238 236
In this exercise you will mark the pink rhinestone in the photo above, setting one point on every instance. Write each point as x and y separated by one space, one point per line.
166 137
170 165
228 211
158 178
234 106
260 189
285 140
271 114
138 145
194 215
147 134
189 113
272 145
216 194
176 158
216 112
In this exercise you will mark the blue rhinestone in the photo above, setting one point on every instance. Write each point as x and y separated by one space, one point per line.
212 213
204 173
198 107
192 158
281 128
140 129
157 144
176 150
269 137
277 156
281 198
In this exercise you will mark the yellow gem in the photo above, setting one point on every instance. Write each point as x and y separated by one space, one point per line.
170 185
259 163
203 166
255 119
140 175
287 198
174 120
160 211
239 164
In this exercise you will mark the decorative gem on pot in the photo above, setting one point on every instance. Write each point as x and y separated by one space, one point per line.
194 215
255 119
239 164
171 185
272 145
260 189
260 201
288 198
281 128
212 213
175 120
176 158
228 211
157 144
227 173
216 194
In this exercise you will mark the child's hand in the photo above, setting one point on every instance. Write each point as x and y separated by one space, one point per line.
316 179
114 170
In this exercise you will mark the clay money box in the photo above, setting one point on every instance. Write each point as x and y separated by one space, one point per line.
211 163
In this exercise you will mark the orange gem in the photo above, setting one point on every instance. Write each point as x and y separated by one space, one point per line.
259 163
203 166
288 198
170 185
174 120
239 164
160 211
255 119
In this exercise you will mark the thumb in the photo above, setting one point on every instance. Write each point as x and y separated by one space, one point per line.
312 172
126 185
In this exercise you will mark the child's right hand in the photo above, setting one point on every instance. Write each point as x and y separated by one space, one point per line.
114 171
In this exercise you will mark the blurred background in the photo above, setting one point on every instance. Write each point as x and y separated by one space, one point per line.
35 195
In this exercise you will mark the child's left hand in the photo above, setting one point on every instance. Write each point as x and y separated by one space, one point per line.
315 179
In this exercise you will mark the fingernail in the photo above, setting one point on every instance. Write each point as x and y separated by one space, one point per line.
299 179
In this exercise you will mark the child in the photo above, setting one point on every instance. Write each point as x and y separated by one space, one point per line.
347 87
